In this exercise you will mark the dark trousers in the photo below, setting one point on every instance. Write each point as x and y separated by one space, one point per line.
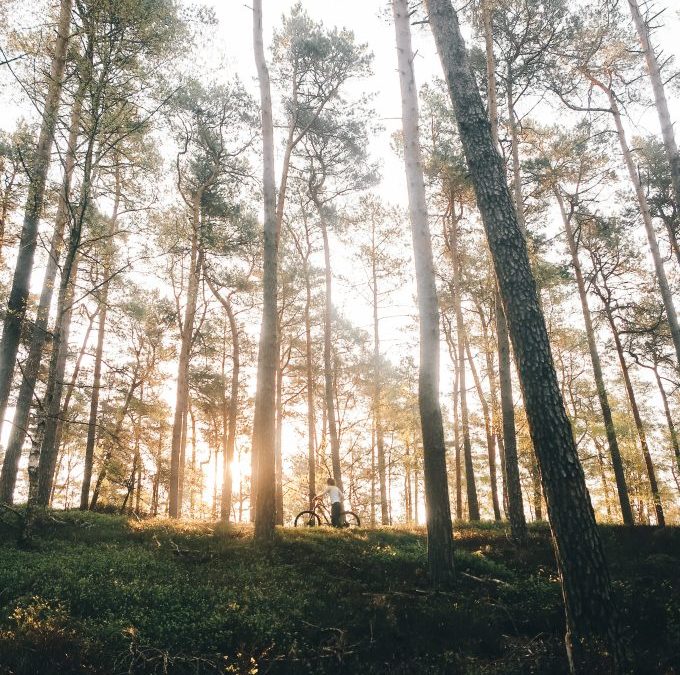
336 510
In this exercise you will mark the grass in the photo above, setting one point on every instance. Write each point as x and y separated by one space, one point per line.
104 594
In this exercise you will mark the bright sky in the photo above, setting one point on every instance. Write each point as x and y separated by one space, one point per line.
228 51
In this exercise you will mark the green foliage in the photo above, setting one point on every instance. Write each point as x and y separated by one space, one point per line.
99 590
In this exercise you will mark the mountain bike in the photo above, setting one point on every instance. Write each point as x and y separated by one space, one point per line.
320 515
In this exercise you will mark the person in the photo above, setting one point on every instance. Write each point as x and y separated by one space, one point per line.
335 495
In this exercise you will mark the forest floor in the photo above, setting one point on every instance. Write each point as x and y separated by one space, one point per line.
107 594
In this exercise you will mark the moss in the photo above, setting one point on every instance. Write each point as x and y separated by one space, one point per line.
100 593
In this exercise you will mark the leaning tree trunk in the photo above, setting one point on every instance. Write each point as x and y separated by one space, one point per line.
55 381
39 335
662 279
18 295
512 485
265 397
439 528
620 476
639 426
669 418
654 71
580 555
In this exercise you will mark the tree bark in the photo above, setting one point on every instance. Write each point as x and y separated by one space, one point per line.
311 417
661 277
32 366
181 402
580 555
265 403
98 358
470 484
18 296
377 384
659 98
639 426
669 418
327 352
490 435
620 476
439 528
55 381
278 456
511 482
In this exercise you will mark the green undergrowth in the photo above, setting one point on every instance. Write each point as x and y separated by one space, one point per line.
106 594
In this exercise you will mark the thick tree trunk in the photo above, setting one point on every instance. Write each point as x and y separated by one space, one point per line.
439 528
659 98
580 556
639 426
265 403
490 435
622 489
39 336
18 296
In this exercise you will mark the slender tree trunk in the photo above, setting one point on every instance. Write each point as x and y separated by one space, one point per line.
373 472
619 474
181 403
98 357
661 277
669 418
453 353
55 382
470 484
265 403
18 296
490 436
32 366
654 71
113 439
580 555
377 385
233 412
511 482
278 458
311 418
639 426
439 528
327 353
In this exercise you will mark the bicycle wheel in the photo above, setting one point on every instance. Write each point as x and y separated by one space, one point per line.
351 519
307 519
